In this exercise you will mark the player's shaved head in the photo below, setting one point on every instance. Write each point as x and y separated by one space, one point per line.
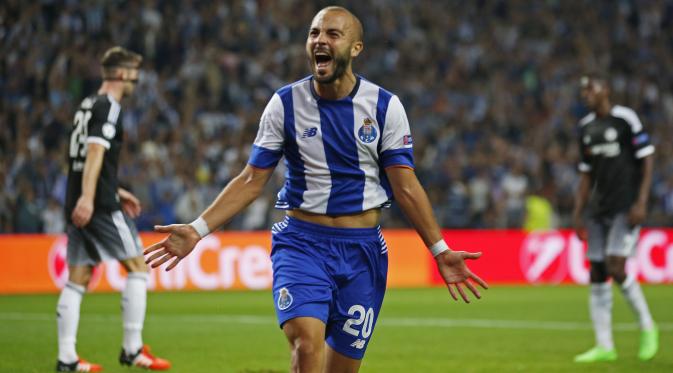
595 91
354 24
334 39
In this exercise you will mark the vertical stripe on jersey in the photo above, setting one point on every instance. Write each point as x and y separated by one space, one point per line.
381 111
293 192
311 149
364 101
348 180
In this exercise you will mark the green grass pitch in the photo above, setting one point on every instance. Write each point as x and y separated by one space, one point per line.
512 329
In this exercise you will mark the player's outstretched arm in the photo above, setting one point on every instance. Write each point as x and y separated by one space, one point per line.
182 238
414 202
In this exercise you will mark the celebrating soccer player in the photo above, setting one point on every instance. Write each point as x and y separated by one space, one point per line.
616 172
348 151
99 211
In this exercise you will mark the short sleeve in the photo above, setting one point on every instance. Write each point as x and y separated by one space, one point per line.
640 139
102 127
268 146
396 140
642 145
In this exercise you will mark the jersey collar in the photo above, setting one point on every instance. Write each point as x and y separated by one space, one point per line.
112 99
354 91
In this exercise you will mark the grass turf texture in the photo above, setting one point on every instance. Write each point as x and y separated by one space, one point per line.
513 329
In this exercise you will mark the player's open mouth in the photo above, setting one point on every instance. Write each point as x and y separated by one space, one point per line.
322 59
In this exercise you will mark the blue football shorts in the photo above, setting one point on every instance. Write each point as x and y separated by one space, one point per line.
337 275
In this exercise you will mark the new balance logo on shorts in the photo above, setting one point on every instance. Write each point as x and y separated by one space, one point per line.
359 344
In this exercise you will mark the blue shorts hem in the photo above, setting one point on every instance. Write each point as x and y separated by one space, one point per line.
299 313
346 353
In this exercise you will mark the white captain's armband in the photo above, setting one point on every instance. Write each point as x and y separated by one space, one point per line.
438 248
200 226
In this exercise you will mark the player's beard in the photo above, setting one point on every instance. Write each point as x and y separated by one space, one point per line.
340 65
128 89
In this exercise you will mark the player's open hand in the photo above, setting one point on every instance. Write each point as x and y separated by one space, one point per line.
83 211
454 271
180 242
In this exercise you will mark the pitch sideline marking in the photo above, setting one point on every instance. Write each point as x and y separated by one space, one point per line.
390 321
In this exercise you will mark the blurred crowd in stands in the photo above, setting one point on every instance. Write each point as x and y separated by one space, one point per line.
490 88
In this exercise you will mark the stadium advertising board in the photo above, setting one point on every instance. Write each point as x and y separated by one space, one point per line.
240 260
514 256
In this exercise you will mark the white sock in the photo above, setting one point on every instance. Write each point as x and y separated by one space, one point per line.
134 301
635 298
600 306
67 320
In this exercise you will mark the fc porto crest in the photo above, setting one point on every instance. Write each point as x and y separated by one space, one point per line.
284 299
367 132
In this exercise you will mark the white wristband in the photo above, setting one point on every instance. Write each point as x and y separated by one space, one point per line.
201 227
438 248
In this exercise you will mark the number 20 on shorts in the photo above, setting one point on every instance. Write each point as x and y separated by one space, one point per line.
362 317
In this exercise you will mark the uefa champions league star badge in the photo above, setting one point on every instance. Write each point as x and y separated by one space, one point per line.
367 133
284 299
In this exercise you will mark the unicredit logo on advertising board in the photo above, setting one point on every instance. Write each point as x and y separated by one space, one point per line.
210 266
214 265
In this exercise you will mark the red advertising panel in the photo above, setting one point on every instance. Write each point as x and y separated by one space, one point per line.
514 256
240 260
221 261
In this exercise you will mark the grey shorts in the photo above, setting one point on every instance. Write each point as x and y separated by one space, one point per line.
611 236
109 235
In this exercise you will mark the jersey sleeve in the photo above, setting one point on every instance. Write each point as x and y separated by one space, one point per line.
102 127
396 140
642 146
268 146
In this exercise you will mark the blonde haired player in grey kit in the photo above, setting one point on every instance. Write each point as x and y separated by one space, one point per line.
99 216
616 172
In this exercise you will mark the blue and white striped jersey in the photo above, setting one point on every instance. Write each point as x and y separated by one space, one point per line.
335 150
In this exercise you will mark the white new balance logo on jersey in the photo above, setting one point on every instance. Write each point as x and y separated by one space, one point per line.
359 344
